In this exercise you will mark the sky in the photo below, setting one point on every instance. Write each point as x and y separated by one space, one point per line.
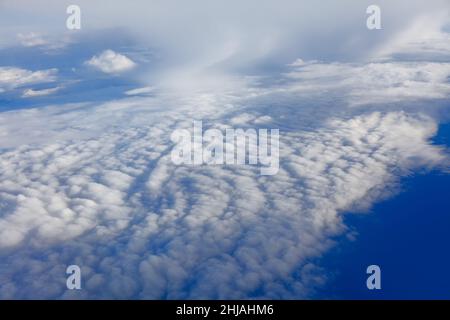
86 118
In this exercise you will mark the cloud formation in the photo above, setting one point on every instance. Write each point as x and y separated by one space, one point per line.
141 227
31 39
93 184
111 62
12 77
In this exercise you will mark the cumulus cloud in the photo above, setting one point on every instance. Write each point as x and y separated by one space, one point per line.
111 62
112 201
93 184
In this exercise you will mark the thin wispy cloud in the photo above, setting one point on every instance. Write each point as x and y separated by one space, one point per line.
13 77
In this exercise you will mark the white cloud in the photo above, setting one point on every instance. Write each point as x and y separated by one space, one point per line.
31 39
29 93
423 39
92 184
96 187
111 62
12 77
381 82
139 91
203 35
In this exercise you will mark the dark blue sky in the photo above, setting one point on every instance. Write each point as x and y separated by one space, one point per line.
407 236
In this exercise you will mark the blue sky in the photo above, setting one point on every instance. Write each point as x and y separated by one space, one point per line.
86 176
413 260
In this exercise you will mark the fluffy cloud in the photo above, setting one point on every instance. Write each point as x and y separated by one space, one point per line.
93 184
111 62
105 195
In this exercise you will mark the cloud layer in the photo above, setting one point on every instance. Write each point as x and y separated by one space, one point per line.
141 227
92 183
12 77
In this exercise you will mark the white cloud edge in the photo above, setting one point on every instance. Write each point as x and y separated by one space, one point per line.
111 62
